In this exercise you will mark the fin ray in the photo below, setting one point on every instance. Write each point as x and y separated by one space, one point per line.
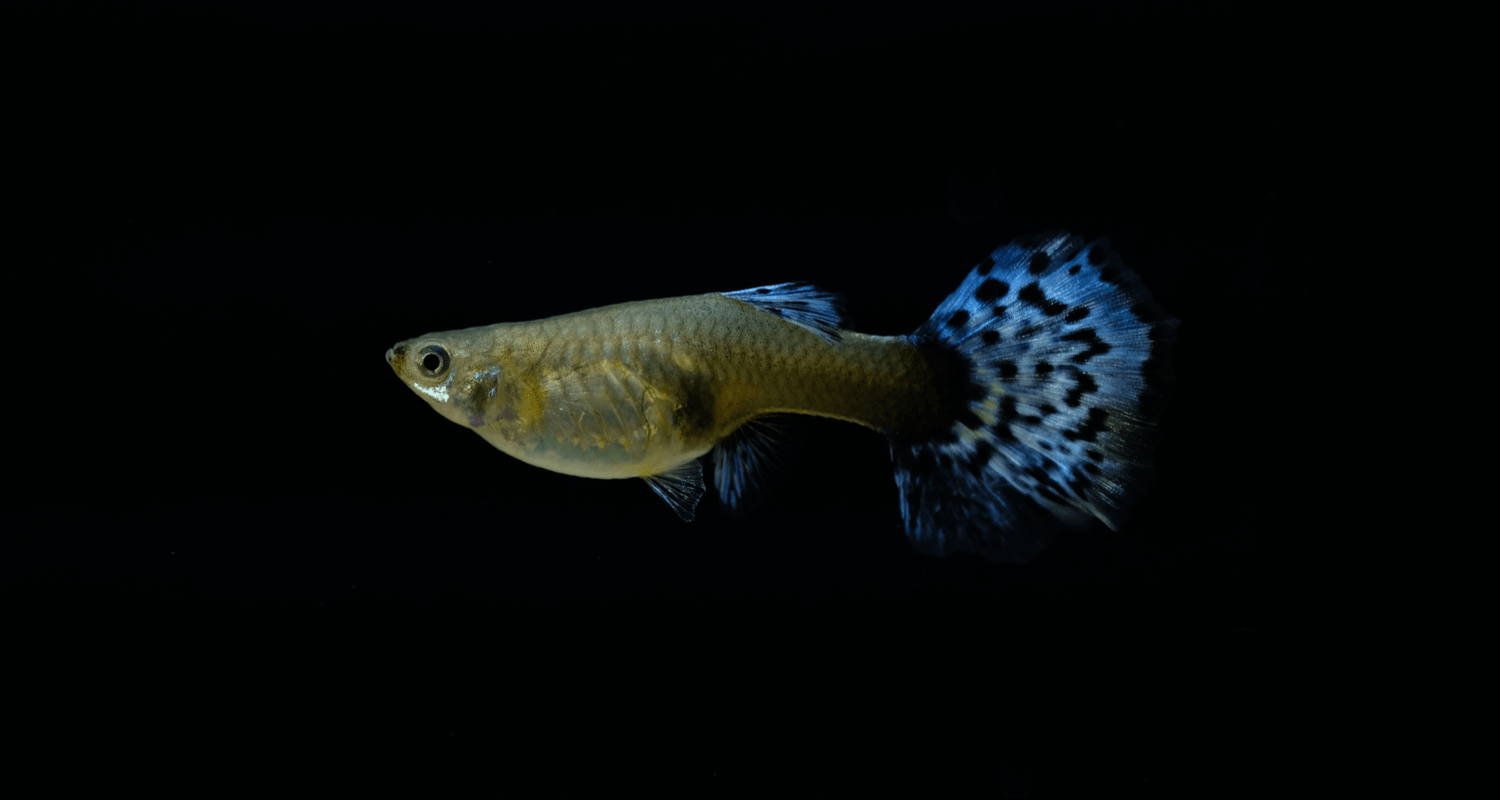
814 308
742 462
1064 359
682 488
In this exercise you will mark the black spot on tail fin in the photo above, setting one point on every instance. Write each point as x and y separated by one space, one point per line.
1066 363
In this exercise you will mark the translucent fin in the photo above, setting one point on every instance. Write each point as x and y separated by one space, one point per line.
741 463
1058 360
682 488
815 309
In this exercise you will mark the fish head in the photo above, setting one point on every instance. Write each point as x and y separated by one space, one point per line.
426 365
461 379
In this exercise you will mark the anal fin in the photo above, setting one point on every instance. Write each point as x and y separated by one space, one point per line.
741 461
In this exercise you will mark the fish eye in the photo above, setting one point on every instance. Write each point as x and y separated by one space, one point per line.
432 361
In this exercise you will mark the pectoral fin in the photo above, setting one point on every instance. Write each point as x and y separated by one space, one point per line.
681 487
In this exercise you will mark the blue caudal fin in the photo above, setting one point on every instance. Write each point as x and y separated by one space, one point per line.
1059 367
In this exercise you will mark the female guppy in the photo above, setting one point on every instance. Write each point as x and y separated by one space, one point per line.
1028 400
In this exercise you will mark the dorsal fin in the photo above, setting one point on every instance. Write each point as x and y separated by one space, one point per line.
681 487
815 309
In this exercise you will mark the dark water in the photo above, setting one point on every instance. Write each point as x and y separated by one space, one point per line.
233 523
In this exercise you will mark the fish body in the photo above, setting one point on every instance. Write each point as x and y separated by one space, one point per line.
637 389
989 458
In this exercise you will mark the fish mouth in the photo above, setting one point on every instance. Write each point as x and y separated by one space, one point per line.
390 354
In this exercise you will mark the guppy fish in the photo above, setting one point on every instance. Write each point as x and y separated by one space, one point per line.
1027 402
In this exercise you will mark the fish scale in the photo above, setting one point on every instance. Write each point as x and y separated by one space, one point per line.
1026 403
723 362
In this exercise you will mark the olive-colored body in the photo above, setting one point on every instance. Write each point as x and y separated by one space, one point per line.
637 389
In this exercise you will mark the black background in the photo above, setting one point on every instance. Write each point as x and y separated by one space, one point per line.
239 539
